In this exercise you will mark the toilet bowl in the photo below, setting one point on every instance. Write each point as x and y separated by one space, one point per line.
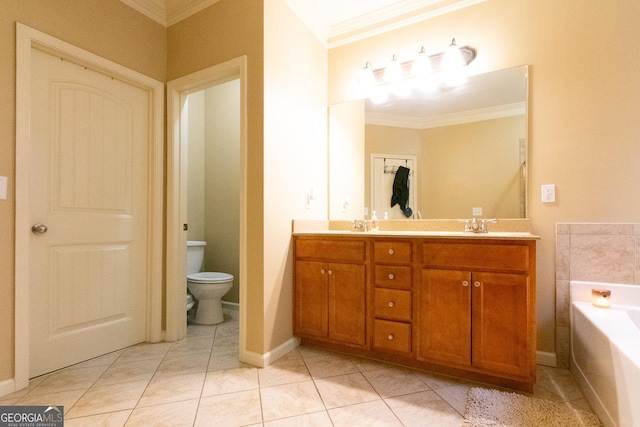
207 288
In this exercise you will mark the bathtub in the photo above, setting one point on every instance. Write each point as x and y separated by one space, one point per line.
605 351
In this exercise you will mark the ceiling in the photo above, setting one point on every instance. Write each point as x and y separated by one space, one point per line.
334 22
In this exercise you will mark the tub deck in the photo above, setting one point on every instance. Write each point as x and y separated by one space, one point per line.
606 351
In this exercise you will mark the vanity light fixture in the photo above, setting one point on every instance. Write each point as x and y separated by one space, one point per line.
601 298
424 71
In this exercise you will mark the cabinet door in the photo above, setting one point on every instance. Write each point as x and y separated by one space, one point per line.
347 294
444 319
311 299
502 323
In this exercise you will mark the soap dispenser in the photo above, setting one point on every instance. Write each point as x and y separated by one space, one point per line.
374 226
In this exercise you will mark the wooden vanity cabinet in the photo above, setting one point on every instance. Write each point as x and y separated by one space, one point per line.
330 289
392 295
476 307
460 306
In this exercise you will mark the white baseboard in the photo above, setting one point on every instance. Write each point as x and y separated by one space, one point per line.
7 387
264 360
231 305
546 359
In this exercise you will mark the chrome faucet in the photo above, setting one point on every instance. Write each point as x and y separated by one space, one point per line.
359 225
476 226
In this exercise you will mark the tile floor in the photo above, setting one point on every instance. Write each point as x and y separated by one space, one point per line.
200 382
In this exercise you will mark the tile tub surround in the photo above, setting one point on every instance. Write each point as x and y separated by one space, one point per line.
199 381
594 252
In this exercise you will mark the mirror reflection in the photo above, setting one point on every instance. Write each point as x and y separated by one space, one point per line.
465 146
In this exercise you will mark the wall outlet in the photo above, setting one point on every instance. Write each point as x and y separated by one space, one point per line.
476 211
548 193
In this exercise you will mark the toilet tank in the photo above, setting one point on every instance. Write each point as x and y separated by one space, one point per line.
195 256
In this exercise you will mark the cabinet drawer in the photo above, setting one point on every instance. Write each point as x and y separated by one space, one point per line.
392 251
394 336
343 250
393 276
481 256
392 304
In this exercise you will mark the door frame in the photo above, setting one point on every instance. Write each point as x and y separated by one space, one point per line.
28 39
177 92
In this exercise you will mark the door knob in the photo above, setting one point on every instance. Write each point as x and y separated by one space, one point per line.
38 228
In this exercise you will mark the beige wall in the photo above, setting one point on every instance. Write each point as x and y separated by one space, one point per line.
347 136
472 165
295 154
222 182
583 131
105 27
196 168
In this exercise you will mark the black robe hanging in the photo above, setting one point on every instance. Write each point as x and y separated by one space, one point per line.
400 194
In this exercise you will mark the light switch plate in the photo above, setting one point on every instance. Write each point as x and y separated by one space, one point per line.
476 211
3 188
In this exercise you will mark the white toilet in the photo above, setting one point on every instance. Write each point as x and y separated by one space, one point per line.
207 287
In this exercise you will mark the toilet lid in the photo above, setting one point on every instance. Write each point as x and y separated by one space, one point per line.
210 277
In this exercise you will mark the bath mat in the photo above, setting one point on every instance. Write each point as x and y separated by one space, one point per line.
494 408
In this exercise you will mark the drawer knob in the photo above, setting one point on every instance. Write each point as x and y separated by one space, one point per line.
477 283
391 304
390 337
391 276
391 252
465 283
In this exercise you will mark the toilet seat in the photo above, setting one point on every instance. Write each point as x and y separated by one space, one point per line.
209 277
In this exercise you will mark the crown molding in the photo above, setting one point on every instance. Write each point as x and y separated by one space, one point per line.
154 9
392 17
446 119
397 15
168 12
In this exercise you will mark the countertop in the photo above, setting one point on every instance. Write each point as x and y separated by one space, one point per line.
403 229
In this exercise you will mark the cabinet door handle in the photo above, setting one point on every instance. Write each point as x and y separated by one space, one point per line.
391 276
391 252
391 304
322 271
477 283
390 337
330 272
465 283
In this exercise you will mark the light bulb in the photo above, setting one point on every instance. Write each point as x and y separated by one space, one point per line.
393 71
452 57
421 64
367 80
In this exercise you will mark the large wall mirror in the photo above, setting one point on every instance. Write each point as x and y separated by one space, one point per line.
467 144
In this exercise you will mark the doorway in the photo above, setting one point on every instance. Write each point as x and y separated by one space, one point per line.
213 197
30 44
178 221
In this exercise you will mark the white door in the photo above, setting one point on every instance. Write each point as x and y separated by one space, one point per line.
383 174
88 172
